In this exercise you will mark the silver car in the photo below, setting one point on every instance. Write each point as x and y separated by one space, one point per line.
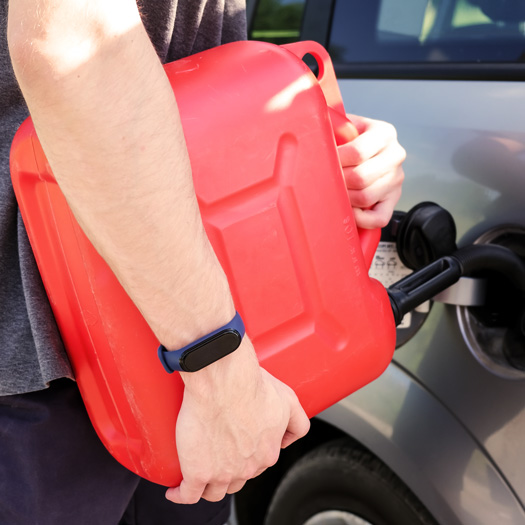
440 436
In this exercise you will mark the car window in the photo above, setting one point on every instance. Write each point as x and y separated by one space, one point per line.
277 21
428 31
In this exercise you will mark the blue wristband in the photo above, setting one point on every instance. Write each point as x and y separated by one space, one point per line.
205 350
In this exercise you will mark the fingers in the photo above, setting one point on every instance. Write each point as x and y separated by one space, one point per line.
375 136
186 493
210 492
361 123
379 215
237 485
216 492
298 426
374 206
372 171
378 190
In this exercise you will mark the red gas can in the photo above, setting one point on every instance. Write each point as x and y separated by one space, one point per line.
258 126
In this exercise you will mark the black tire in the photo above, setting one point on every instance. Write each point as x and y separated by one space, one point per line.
341 483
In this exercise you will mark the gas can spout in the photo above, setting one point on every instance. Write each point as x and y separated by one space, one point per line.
424 284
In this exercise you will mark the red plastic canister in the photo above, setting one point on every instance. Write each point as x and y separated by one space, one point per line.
260 132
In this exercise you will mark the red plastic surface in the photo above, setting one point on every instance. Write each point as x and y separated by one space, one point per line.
273 201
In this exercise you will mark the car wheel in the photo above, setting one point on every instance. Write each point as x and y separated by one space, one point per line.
341 483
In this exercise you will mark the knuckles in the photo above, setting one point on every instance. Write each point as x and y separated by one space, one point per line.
354 180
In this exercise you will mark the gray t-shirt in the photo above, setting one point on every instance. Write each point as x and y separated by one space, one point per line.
31 351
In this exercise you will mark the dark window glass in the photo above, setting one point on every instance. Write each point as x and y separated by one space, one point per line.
428 31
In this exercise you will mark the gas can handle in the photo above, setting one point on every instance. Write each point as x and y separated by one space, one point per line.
326 75
344 130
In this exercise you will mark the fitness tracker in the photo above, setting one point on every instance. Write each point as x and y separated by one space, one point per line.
205 350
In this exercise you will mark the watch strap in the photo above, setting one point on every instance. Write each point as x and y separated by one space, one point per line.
173 360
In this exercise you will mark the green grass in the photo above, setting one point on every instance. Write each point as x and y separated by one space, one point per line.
274 33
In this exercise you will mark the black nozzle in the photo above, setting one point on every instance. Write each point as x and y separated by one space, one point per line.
424 284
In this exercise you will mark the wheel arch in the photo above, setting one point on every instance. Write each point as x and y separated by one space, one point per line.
417 437
428 448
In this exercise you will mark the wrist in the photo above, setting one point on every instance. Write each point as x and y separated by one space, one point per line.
237 372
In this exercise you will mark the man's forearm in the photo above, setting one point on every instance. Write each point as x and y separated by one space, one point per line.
108 121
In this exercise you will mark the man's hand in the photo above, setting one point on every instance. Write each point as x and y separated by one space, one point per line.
373 173
234 420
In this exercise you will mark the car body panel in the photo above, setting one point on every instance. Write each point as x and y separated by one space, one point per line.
475 167
406 426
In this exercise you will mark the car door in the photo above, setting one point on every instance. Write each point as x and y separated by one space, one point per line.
449 75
